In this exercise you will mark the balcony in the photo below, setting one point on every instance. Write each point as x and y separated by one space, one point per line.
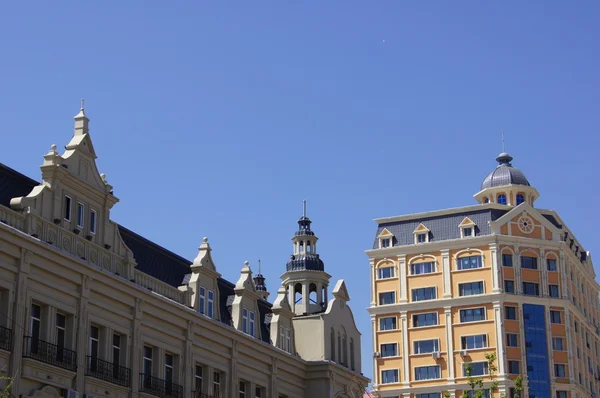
49 353
108 371
160 388
198 394
5 339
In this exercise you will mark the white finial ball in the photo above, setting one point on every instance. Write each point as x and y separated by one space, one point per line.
205 239
53 147
246 263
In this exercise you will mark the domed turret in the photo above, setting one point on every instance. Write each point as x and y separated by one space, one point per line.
506 185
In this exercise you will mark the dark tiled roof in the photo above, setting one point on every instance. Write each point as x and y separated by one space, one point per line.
151 258
553 220
443 227
504 174
301 262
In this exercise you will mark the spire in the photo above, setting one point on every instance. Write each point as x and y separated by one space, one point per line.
259 283
503 150
81 121
304 208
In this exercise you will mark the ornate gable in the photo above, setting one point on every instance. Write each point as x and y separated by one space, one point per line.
525 221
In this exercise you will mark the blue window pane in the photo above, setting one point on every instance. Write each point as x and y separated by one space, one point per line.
531 289
429 395
472 315
426 346
509 286
477 368
529 262
553 291
385 272
520 199
387 323
389 350
486 394
510 313
502 199
507 260
512 340
426 293
469 262
472 342
555 317
387 298
422 268
538 372
551 264
513 367
389 376
469 289
428 319
427 372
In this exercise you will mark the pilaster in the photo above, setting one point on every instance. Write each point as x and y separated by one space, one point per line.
188 368
402 279
517 268
374 347
500 342
450 344
570 346
373 277
136 348
82 332
405 351
563 273
446 275
233 379
495 268
272 392
18 316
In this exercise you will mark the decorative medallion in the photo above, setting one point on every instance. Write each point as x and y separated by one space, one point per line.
525 224
66 244
93 256
52 236
106 263
80 250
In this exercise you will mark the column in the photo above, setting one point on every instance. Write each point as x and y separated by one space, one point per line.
373 277
403 281
272 387
446 275
320 298
501 350
544 269
374 346
495 269
136 346
522 342
570 346
233 379
517 268
305 297
82 328
19 312
450 344
405 351
291 292
563 273
188 364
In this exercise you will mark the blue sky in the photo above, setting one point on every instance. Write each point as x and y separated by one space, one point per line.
218 118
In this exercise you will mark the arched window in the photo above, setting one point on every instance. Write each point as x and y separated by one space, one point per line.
298 293
502 199
339 356
520 199
345 350
352 354
332 342
312 295
486 200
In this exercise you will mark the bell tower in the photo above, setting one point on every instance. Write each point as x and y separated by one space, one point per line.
305 279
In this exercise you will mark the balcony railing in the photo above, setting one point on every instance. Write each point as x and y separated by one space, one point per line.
49 353
5 338
160 388
108 371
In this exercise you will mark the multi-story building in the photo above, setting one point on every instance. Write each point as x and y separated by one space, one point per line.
502 276
90 308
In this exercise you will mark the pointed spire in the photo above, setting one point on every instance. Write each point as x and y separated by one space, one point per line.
81 121
304 208
503 150
259 283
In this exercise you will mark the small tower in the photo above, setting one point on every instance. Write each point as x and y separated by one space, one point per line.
259 282
305 279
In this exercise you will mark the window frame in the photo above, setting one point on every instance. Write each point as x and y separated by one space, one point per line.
470 283
562 343
395 323
436 346
388 345
508 366
512 307
480 262
415 316
392 270
550 286
512 291
460 314
485 368
421 265
392 292
80 215
463 341
534 260
396 374
516 338
502 257
210 303
560 317
526 283
412 293
504 199
548 259
68 205
428 367
93 221
564 370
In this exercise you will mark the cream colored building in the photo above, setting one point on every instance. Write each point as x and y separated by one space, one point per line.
91 309
502 276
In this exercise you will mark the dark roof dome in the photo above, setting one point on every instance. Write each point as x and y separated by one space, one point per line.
504 174
306 261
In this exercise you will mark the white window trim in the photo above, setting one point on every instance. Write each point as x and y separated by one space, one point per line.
82 207
466 223
421 229
423 287
463 283
425 326
457 257
387 291
202 300
487 342
210 303
485 374
95 223
393 267
385 234
418 260
245 320
251 323
472 308
394 382
387 330
391 356
423 353
427 366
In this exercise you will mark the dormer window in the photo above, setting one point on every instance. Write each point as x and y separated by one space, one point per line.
501 199
421 238
467 228
421 234
385 239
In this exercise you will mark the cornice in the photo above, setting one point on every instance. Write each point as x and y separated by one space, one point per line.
442 212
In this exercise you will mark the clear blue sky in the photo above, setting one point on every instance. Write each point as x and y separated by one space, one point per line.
218 118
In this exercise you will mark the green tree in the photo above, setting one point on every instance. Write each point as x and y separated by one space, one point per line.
6 391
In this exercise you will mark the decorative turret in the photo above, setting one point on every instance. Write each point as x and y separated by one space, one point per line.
81 121
259 282
305 279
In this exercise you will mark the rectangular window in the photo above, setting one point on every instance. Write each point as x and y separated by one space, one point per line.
67 208
216 383
470 289
94 346
509 286
513 367
36 323
198 373
472 315
422 268
510 313
252 323
116 345
472 342
421 238
551 264
561 394
555 317
385 242
389 350
424 293
559 370
211 300
385 272
427 372
202 303
242 389
512 340
389 376
426 346
288 339
553 291
169 370
387 298
531 289
245 320
147 367
388 323
428 319
93 215
258 392
477 368
469 262
80 215
467 231
529 262
428 395
507 260
61 331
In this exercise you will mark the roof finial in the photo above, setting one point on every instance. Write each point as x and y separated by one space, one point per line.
503 150
82 101
259 265
304 208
